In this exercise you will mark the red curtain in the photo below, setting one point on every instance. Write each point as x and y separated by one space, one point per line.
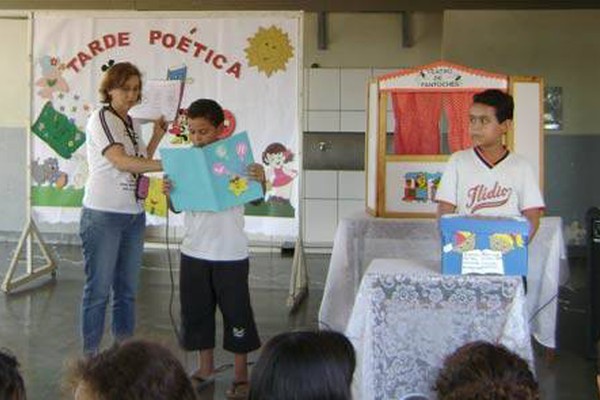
417 117
456 105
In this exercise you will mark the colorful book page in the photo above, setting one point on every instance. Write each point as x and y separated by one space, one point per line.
212 178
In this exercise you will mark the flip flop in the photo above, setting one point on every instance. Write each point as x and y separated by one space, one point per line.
238 391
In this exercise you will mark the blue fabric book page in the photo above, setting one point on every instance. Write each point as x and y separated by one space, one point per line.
212 178
188 172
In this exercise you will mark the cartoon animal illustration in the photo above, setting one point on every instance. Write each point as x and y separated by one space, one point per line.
179 128
51 80
279 185
48 172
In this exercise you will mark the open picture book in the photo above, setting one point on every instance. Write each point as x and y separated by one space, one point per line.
211 178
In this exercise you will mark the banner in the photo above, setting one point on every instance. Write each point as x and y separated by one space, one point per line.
248 62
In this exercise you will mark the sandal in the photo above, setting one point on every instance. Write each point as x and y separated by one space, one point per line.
200 384
238 390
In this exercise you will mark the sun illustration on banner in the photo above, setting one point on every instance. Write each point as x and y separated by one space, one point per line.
269 50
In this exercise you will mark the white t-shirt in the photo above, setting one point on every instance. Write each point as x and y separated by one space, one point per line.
107 188
215 236
476 187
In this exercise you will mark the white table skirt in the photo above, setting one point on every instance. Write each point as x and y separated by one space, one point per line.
407 318
361 238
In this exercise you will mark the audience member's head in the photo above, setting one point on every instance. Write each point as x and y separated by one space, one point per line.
133 370
11 382
484 371
304 366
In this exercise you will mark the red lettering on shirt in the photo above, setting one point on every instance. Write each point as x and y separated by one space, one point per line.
481 196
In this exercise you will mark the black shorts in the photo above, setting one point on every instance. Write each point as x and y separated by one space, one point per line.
203 285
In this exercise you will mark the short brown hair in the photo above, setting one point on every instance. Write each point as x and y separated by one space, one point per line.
11 381
115 77
133 370
485 371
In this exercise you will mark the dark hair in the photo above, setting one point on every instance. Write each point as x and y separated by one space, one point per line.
304 366
275 148
484 371
208 109
502 102
11 382
133 370
115 77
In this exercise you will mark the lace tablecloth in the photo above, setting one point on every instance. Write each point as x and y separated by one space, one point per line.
405 321
361 238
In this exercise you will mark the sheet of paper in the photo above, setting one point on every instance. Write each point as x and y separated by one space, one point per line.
159 98
482 262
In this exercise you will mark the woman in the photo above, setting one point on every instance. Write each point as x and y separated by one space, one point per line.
113 219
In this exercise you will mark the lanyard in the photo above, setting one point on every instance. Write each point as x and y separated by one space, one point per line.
129 129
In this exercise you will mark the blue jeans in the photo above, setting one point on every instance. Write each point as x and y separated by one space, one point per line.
113 244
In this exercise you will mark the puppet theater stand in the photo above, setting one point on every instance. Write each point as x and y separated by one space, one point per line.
430 106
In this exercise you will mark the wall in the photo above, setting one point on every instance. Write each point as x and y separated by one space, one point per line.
560 46
13 102
13 116
563 48
360 40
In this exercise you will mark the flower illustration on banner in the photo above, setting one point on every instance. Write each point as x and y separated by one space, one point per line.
269 50
51 80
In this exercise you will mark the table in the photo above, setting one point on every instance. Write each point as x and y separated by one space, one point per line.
407 318
361 238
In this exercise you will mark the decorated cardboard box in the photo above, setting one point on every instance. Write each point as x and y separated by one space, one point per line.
484 245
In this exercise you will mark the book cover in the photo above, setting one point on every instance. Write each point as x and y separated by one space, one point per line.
484 245
211 178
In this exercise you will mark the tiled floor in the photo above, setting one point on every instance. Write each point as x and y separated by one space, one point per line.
40 324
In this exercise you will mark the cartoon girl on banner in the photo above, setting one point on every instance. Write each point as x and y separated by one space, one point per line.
275 157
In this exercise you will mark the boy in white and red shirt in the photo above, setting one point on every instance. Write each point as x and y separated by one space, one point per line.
487 179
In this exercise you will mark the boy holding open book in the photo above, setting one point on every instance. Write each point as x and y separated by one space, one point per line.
214 270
